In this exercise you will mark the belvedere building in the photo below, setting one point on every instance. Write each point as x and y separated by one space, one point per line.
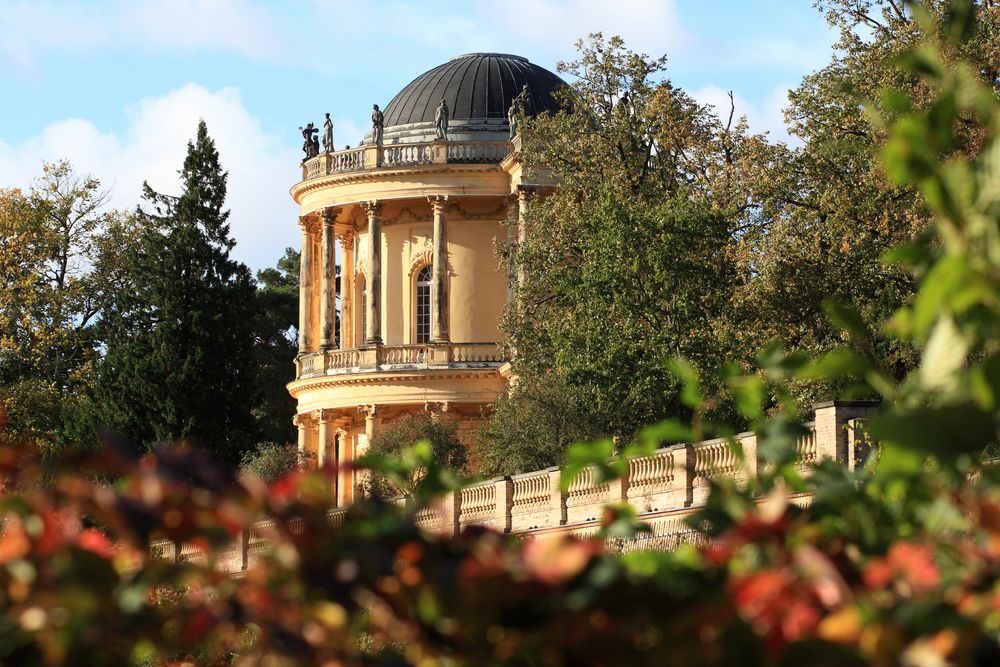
416 209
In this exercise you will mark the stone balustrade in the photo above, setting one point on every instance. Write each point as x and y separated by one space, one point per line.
664 487
388 358
395 156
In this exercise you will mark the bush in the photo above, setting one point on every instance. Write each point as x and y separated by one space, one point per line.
446 451
271 461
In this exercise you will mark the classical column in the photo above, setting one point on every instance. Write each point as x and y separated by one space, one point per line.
439 271
305 287
347 291
323 448
328 296
373 284
343 476
302 422
369 412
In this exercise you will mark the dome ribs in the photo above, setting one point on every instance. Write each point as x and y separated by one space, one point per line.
477 87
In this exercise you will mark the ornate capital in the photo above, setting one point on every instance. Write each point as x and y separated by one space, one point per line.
524 192
367 410
304 419
328 415
373 208
330 214
436 408
438 203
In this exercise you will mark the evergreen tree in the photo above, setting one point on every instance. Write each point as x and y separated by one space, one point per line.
180 361
276 318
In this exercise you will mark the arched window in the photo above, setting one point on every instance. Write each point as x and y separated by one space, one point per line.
363 303
423 294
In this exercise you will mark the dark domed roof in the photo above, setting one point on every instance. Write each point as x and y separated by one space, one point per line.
476 86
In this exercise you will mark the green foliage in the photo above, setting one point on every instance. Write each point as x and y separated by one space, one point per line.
276 322
271 461
403 452
61 250
180 333
626 265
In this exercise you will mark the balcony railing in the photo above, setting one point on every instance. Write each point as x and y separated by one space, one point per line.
395 156
389 358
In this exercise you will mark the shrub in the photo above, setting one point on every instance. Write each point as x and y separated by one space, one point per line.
446 450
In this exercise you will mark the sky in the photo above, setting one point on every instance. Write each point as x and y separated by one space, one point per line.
117 86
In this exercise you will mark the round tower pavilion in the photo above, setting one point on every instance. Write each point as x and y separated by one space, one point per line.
415 210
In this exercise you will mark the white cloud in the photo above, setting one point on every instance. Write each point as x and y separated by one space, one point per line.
31 29
261 166
764 116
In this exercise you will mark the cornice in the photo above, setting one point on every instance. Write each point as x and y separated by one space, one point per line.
295 387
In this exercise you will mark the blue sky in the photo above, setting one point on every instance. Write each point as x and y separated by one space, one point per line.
117 86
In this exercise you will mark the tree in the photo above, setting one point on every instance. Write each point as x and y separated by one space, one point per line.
276 318
832 213
61 250
446 450
180 335
629 262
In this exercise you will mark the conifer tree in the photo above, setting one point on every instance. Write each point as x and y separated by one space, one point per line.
179 363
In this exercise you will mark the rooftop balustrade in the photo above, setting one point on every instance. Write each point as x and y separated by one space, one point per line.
396 156
394 358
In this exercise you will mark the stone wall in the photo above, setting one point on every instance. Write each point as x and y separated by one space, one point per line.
664 488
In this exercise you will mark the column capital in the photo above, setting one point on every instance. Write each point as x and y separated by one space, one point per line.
328 415
304 419
438 202
367 410
372 207
436 408
525 191
330 214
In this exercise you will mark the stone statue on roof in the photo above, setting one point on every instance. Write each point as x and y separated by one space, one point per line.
441 120
310 144
513 113
378 124
328 135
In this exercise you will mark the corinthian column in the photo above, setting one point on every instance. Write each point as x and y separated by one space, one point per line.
305 288
347 292
439 271
373 323
327 299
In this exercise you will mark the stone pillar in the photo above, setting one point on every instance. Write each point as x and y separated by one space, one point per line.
831 426
439 271
328 296
325 431
302 422
373 335
347 292
369 412
305 288
343 475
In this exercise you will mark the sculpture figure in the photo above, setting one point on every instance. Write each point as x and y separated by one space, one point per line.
441 120
328 135
378 122
513 113
310 145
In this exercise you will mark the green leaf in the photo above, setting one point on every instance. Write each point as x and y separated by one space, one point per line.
846 318
688 375
837 363
944 355
946 431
